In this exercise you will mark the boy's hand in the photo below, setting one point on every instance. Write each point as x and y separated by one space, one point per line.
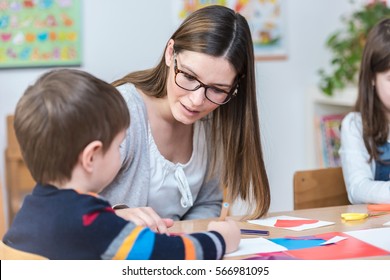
230 232
147 217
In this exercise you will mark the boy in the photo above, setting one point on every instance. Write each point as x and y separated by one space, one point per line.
70 126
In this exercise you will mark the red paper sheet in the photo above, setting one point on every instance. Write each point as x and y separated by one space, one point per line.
345 249
293 223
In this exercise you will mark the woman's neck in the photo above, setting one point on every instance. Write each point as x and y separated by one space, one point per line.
173 139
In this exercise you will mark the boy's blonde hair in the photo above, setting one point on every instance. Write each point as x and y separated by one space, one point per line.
60 114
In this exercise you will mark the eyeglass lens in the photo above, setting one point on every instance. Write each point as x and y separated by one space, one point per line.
188 82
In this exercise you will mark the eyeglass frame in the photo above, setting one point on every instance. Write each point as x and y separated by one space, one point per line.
230 94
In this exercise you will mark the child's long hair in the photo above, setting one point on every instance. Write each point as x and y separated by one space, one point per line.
376 59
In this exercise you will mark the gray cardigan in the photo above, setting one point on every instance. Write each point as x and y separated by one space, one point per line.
131 185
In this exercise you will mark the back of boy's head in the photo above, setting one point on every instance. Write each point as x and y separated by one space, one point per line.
60 114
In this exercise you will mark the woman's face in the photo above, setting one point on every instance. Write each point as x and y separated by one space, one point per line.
189 106
382 84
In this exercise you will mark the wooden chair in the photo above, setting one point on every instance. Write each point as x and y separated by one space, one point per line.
9 253
319 188
3 225
19 181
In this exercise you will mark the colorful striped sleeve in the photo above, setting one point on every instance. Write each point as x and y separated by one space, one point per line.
139 243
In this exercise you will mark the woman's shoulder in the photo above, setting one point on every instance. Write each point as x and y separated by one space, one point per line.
129 92
133 99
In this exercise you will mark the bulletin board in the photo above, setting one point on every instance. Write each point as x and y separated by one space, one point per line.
40 33
266 19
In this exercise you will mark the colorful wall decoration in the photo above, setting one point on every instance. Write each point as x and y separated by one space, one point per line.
37 33
265 18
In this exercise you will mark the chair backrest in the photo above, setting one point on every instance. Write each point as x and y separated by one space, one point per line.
319 188
3 203
19 181
9 253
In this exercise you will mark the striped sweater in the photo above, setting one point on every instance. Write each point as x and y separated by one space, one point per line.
64 224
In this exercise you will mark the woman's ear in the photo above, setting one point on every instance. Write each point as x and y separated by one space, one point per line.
169 51
89 155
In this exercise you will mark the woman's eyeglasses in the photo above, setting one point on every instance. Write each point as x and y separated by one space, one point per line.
214 94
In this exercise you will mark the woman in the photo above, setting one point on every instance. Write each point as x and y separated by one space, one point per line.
196 121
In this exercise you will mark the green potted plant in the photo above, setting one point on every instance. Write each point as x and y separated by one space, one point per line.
347 46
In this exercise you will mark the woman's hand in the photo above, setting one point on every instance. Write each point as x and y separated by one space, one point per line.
147 217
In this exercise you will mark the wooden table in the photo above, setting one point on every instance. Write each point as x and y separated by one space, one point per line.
330 214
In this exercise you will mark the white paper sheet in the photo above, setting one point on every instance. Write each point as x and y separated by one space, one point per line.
334 240
256 245
270 222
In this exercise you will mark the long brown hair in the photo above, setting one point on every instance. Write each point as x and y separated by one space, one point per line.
219 31
376 59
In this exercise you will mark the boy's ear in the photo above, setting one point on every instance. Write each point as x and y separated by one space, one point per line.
169 52
89 154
